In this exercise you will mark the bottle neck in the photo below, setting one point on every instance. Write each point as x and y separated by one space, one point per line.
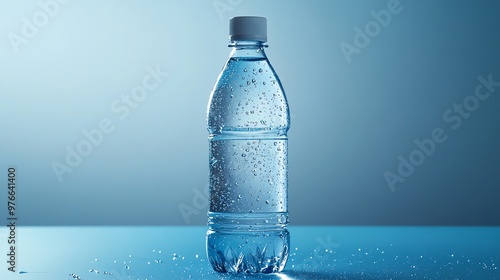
247 49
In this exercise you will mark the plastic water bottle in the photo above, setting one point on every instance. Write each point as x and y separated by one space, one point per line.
248 120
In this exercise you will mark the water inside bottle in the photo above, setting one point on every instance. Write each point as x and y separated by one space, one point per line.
248 121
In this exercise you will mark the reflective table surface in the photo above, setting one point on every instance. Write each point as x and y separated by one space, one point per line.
118 253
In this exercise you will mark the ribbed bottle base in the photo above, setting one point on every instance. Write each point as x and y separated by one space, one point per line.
241 243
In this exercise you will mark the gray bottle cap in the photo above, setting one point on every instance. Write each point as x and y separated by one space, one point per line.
248 28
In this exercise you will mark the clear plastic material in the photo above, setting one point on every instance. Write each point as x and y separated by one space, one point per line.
248 119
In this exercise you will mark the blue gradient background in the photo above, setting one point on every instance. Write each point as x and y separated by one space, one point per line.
350 121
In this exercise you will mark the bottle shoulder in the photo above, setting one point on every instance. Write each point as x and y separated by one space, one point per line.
248 95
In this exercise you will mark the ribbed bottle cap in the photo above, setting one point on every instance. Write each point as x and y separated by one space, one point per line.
248 28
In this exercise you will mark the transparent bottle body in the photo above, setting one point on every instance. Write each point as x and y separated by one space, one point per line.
248 120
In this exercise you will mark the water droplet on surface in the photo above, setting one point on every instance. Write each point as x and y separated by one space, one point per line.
260 70
267 201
